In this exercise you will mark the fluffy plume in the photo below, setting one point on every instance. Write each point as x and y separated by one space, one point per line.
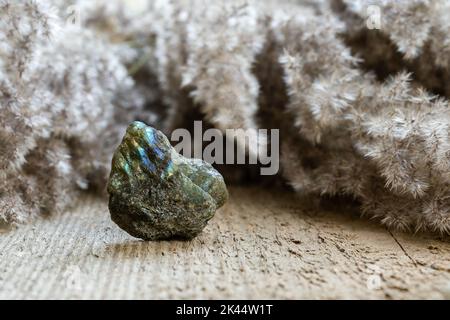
58 88
363 112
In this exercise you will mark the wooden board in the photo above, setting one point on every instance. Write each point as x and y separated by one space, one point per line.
262 244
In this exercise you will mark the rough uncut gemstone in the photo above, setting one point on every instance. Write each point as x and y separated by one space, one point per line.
156 193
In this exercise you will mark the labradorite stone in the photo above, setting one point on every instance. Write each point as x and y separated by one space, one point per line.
156 193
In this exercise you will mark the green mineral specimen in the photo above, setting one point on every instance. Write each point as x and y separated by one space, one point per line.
156 193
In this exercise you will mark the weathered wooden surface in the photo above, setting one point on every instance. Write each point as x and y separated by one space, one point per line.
260 245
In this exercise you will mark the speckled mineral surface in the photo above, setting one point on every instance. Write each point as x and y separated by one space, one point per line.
156 193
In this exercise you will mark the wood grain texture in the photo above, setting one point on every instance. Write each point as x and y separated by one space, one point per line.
260 245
